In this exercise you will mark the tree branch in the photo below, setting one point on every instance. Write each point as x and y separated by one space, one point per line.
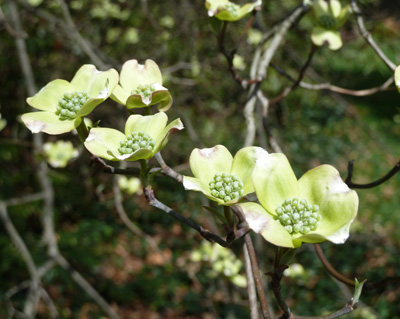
257 277
211 237
379 181
368 37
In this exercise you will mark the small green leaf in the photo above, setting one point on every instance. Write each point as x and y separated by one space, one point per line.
357 291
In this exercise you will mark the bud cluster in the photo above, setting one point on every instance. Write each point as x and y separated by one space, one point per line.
327 21
144 91
70 104
297 216
135 141
226 186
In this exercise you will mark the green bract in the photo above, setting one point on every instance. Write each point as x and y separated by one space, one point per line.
226 10
58 154
141 86
328 207
221 177
62 104
130 185
108 143
397 77
330 16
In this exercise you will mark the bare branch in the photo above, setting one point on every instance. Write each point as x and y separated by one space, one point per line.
211 237
251 287
34 289
330 269
299 78
257 277
368 37
168 170
379 181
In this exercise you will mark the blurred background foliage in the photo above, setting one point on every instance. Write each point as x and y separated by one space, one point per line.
312 127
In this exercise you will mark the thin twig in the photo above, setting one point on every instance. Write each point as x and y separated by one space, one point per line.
330 269
257 277
368 37
168 170
211 237
337 89
379 181
369 285
345 310
299 78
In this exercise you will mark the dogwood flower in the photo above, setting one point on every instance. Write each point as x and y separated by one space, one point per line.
58 154
317 207
226 10
221 177
330 17
63 104
144 136
141 86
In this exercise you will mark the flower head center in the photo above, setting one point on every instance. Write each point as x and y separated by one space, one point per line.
327 21
226 186
70 104
297 216
136 141
233 8
144 91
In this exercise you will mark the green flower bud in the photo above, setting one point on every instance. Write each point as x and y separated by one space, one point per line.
298 216
226 186
70 104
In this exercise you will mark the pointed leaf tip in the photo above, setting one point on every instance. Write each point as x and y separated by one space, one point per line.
357 290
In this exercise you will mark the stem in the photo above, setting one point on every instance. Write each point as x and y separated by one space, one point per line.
82 130
144 172
147 110
228 216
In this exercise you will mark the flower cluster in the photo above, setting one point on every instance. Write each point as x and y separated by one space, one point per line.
330 17
317 207
63 105
226 10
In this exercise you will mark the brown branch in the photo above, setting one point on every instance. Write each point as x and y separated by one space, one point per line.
379 181
256 274
211 237
299 78
330 269
369 285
